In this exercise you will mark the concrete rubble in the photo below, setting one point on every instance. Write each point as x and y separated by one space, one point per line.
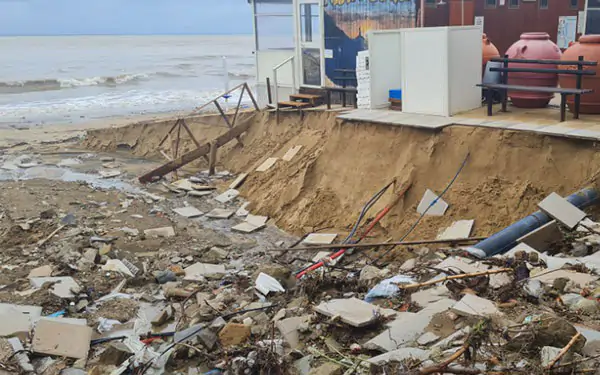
143 280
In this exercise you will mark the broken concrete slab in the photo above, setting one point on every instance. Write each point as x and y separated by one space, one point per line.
64 339
327 368
547 354
246 227
458 230
460 265
17 320
407 327
562 210
219 213
427 338
289 329
115 265
352 311
319 239
427 296
582 279
256 220
227 196
238 181
543 237
234 334
43 271
197 271
62 286
160 232
289 155
437 209
472 305
266 165
110 173
197 193
188 212
400 355
242 211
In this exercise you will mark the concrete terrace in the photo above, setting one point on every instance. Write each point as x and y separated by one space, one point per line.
544 121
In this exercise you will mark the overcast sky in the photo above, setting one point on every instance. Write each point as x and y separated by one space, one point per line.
59 17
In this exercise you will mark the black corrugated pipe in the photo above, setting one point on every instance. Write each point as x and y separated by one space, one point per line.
506 239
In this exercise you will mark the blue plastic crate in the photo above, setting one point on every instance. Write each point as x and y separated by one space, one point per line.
396 94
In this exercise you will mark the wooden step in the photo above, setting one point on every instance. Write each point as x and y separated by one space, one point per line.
294 104
310 97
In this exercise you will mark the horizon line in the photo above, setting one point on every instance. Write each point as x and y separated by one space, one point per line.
124 34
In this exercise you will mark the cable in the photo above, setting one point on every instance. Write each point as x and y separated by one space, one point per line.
412 228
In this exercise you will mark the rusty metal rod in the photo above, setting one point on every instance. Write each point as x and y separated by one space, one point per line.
379 244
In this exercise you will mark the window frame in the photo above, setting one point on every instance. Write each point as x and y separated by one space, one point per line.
546 7
510 6
488 6
575 5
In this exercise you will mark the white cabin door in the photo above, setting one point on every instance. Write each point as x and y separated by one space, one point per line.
309 27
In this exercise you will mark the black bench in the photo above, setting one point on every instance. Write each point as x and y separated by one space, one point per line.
504 87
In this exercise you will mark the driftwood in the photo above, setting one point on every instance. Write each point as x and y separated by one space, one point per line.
454 277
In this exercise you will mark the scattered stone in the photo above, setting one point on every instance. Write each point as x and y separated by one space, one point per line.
219 213
266 165
227 196
160 232
369 273
582 279
130 231
547 354
280 315
289 329
242 211
110 173
188 212
562 210
400 355
409 265
319 239
62 287
198 271
116 265
256 220
327 368
43 271
437 209
289 155
234 334
90 255
351 311
458 230
427 338
245 228
17 320
62 338
238 181
543 237
472 305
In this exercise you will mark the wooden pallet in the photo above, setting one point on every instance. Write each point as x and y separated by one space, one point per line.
294 104
310 98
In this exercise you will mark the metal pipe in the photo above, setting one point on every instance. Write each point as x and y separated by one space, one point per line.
422 13
506 239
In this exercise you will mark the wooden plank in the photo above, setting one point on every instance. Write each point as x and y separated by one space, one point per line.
212 159
197 153
294 104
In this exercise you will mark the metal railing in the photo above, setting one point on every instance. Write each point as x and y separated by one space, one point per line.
291 60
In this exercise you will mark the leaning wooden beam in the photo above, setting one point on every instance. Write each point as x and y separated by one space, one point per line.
379 244
454 277
195 154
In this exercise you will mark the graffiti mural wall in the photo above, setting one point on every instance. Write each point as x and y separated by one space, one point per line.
347 23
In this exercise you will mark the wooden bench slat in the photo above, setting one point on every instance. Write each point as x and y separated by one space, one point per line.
539 70
558 90
547 62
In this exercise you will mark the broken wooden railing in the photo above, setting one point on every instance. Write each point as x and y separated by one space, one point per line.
208 148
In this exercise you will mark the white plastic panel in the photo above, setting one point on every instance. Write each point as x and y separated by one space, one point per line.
267 59
385 65
425 71
464 68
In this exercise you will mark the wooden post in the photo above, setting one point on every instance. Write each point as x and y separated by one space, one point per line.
504 79
212 159
269 96
578 86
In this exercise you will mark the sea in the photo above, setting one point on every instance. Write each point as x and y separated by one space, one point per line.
64 79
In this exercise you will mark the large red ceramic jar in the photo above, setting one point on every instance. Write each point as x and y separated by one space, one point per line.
588 47
533 46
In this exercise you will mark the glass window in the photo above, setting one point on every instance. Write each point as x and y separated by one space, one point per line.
592 23
593 3
274 25
513 4
311 66
574 4
543 4
430 3
491 3
310 24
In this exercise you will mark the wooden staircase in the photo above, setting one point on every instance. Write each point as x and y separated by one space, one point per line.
300 101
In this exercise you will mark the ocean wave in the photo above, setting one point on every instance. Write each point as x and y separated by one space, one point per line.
16 87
